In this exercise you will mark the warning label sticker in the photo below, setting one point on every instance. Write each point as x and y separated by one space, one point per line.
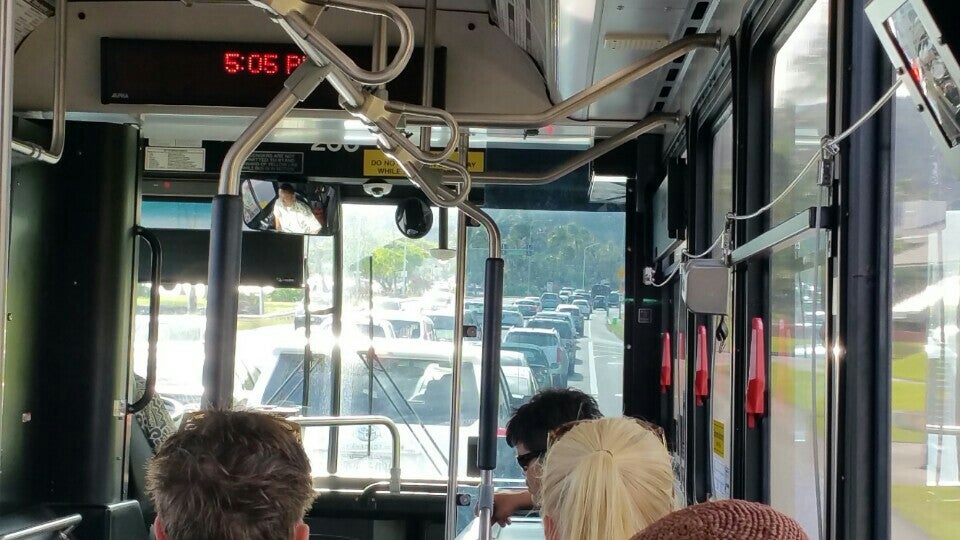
377 164
275 162
719 440
28 14
174 159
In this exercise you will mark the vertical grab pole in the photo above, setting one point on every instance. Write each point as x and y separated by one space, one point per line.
490 366
308 335
226 224
459 304
336 355
6 174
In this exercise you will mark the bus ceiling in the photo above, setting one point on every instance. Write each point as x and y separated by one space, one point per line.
485 69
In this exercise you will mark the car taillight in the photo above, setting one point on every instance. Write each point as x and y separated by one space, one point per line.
559 358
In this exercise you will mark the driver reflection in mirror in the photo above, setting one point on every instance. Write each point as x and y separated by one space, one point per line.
291 215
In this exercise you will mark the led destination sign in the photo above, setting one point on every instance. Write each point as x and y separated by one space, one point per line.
229 74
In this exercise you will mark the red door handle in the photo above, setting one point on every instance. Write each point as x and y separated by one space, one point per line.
757 377
665 363
701 383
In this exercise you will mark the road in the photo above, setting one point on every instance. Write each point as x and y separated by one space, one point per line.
599 370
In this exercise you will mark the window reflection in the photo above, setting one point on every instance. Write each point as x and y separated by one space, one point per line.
925 463
799 116
797 318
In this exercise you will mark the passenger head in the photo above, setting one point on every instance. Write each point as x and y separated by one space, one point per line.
231 475
724 519
547 410
605 479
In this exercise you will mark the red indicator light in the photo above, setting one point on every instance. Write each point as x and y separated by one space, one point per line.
270 63
292 61
166 185
916 73
232 62
261 63
255 63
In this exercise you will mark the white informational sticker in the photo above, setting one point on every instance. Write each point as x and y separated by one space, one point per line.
721 478
174 159
28 14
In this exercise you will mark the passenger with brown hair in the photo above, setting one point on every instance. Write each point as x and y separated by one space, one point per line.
605 480
231 475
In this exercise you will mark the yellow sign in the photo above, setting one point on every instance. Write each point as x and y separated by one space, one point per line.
377 164
718 438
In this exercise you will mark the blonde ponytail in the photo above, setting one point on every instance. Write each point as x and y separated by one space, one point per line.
606 480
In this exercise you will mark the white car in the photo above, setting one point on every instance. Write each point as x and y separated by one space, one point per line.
549 342
408 325
412 383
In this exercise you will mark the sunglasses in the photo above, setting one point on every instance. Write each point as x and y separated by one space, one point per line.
562 430
525 460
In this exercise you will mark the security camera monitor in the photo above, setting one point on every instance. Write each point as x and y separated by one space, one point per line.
308 208
922 38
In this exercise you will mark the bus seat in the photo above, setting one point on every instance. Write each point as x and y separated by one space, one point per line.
140 454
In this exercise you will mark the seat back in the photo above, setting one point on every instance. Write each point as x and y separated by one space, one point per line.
140 454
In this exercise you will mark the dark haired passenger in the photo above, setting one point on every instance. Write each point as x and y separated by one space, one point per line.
527 433
231 475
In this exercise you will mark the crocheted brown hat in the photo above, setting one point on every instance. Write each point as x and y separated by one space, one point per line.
731 519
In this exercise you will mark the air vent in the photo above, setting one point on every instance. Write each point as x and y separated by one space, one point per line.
700 10
635 42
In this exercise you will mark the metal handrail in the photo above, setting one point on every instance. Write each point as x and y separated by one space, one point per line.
153 329
58 134
652 121
422 487
297 87
53 525
339 421
288 9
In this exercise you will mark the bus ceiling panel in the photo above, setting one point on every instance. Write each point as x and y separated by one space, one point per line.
599 37
485 71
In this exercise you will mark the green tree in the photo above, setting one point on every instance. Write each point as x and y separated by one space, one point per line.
390 262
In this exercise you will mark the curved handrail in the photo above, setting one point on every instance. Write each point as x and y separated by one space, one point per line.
338 58
430 181
424 487
332 421
153 329
424 156
58 524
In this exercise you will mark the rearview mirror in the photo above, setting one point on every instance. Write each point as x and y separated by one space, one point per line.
308 208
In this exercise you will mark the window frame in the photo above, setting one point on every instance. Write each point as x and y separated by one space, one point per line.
714 107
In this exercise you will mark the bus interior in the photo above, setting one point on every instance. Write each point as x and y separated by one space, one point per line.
395 221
